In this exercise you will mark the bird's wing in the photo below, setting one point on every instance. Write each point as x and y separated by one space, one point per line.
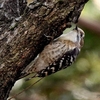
52 53
56 56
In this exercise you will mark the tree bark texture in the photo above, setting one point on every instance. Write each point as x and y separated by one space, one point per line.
23 31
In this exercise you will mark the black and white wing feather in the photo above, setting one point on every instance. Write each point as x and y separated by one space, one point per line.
55 56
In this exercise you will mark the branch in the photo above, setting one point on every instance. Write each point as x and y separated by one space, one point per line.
23 30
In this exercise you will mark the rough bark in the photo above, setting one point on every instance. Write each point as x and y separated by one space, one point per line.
23 33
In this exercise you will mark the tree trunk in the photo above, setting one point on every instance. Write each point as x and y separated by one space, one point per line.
23 31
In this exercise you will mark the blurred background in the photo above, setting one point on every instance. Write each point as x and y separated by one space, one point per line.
81 81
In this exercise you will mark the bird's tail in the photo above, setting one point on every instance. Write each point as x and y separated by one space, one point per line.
27 79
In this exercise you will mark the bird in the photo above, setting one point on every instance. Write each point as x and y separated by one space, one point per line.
58 54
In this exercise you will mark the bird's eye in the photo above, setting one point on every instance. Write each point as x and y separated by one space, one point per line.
81 35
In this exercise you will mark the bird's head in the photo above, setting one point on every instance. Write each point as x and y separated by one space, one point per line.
80 35
76 36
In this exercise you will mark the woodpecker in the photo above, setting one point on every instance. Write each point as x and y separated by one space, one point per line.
58 55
